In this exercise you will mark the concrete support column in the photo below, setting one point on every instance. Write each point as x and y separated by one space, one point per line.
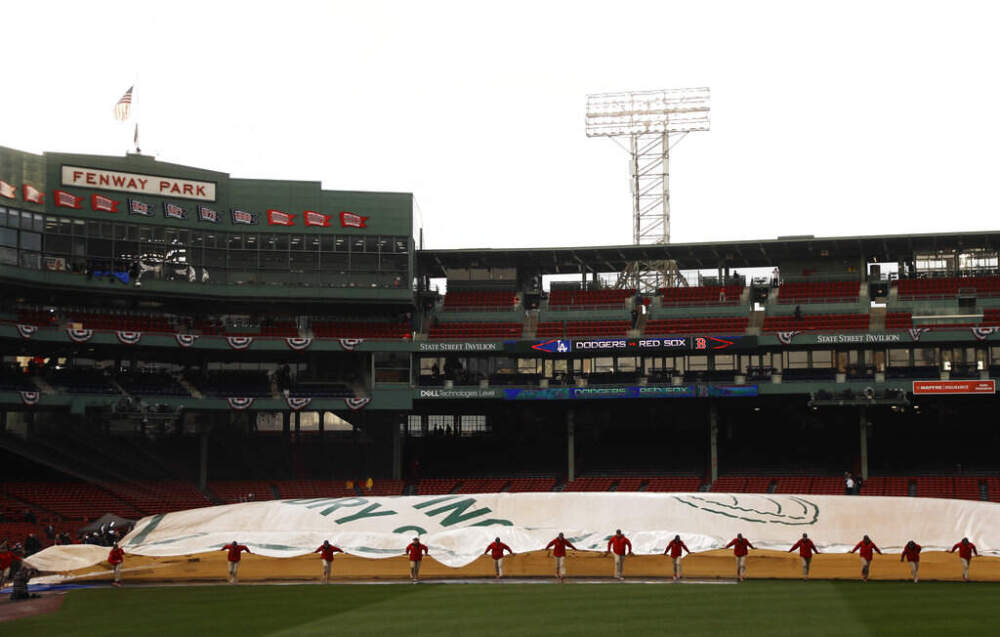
397 449
570 446
713 442
203 461
863 440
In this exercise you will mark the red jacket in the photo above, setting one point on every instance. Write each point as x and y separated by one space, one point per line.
965 551
416 551
675 547
116 556
235 551
740 545
618 544
327 551
6 559
806 548
558 546
496 549
866 550
912 555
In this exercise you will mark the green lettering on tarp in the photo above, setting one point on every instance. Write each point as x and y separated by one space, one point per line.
141 535
457 512
434 501
407 529
493 522
364 513
339 504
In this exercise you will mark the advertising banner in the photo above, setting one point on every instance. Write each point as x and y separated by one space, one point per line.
951 387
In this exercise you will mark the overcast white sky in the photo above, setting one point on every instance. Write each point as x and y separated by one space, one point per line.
827 118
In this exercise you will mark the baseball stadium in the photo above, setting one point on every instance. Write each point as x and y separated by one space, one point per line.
206 379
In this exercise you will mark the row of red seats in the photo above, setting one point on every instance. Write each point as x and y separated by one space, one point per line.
476 330
904 320
714 324
947 287
479 299
702 295
588 298
360 329
816 322
124 323
819 291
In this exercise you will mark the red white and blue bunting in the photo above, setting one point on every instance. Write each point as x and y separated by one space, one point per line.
298 343
239 403
297 403
79 336
30 397
186 340
350 343
239 342
917 332
356 403
126 337
785 338
26 331
982 332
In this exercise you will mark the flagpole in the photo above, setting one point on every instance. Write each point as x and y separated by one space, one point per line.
135 111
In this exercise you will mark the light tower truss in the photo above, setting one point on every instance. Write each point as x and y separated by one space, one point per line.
648 124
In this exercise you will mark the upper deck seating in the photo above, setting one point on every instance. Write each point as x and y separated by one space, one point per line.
569 299
816 323
479 300
819 291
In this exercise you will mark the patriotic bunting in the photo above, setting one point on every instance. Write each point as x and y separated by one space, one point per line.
32 194
8 190
26 331
30 397
785 338
186 340
239 342
279 218
982 332
351 220
67 199
126 337
297 403
348 344
313 218
356 403
240 403
79 336
299 343
101 203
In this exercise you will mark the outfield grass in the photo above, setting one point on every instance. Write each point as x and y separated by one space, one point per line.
755 607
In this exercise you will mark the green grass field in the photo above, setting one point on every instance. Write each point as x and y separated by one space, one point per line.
755 607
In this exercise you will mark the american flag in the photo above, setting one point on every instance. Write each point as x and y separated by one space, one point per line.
123 105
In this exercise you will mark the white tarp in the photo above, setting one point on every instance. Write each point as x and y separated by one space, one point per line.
457 528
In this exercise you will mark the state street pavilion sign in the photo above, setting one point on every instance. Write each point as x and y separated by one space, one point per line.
173 187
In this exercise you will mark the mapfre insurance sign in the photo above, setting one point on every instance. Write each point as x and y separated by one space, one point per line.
133 182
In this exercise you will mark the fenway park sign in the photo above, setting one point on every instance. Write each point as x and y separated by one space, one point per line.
81 177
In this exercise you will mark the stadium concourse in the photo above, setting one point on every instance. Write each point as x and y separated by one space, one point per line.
283 535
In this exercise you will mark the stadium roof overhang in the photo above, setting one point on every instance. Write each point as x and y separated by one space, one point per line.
690 256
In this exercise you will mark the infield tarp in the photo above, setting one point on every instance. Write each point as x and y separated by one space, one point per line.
457 528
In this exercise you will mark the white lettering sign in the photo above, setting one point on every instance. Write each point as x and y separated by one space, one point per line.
133 182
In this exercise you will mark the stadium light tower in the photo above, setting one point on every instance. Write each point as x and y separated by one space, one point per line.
653 122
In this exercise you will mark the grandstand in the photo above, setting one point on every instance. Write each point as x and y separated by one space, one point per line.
157 363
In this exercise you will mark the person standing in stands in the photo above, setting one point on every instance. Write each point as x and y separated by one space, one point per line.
806 549
416 551
557 549
966 550
674 549
495 550
867 550
848 484
618 544
741 547
115 558
6 562
911 553
326 551
235 555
